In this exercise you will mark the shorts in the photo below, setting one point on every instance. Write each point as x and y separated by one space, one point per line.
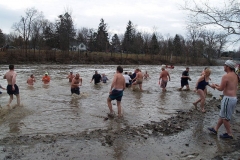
139 81
75 90
10 91
116 94
228 105
184 83
163 84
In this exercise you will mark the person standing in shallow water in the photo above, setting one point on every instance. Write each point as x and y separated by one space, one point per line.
229 86
184 79
138 80
31 80
12 88
75 84
116 92
96 77
46 78
70 76
201 87
163 79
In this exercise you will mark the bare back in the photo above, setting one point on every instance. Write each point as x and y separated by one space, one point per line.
118 82
164 75
11 77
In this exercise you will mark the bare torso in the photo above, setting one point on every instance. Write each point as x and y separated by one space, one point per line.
11 77
230 81
30 81
76 82
70 77
139 76
164 75
118 82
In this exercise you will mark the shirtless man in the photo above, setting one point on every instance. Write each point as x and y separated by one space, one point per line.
12 88
70 76
31 79
163 79
138 78
46 79
228 85
146 75
116 91
76 82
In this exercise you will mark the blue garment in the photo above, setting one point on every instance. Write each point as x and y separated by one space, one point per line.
202 85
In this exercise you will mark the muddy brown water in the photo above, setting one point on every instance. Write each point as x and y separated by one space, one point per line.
51 109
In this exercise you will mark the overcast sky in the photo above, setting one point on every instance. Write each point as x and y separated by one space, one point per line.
162 15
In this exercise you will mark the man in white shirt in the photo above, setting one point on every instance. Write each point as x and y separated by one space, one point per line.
127 79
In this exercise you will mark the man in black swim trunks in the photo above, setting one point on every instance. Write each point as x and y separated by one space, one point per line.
184 79
96 77
12 88
116 91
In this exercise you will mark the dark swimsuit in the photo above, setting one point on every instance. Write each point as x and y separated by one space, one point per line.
202 85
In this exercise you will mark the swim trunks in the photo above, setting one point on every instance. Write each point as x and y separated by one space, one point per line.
163 84
116 94
139 81
184 83
10 91
75 90
228 105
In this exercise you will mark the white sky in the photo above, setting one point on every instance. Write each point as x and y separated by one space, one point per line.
162 15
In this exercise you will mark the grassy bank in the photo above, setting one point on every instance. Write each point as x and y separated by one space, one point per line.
60 57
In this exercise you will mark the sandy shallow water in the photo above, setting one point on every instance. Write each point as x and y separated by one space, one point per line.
52 124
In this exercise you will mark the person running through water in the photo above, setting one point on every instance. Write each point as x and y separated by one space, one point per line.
116 92
70 76
229 86
97 78
75 84
184 79
138 79
31 80
201 84
46 79
12 88
163 79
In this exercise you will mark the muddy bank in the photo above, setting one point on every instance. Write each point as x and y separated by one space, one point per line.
183 136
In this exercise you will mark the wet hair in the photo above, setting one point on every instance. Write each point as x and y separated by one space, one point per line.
119 69
11 66
138 69
125 73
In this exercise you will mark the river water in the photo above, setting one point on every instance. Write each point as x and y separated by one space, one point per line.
50 109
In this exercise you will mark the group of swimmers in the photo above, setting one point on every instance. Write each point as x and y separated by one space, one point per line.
228 85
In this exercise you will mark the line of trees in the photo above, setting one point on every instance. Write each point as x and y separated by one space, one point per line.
35 32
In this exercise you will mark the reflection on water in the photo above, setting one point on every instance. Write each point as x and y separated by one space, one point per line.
52 109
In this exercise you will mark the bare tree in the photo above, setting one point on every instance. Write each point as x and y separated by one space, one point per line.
24 26
226 16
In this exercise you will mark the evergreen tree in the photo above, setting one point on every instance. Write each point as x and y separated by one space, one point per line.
65 31
128 37
154 45
177 46
116 43
102 37
2 39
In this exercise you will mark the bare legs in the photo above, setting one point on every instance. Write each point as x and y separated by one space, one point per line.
226 124
201 100
135 83
118 105
11 98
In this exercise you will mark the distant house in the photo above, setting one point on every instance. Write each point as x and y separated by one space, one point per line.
76 46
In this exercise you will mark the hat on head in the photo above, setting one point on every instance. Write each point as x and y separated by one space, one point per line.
230 64
163 66
46 73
